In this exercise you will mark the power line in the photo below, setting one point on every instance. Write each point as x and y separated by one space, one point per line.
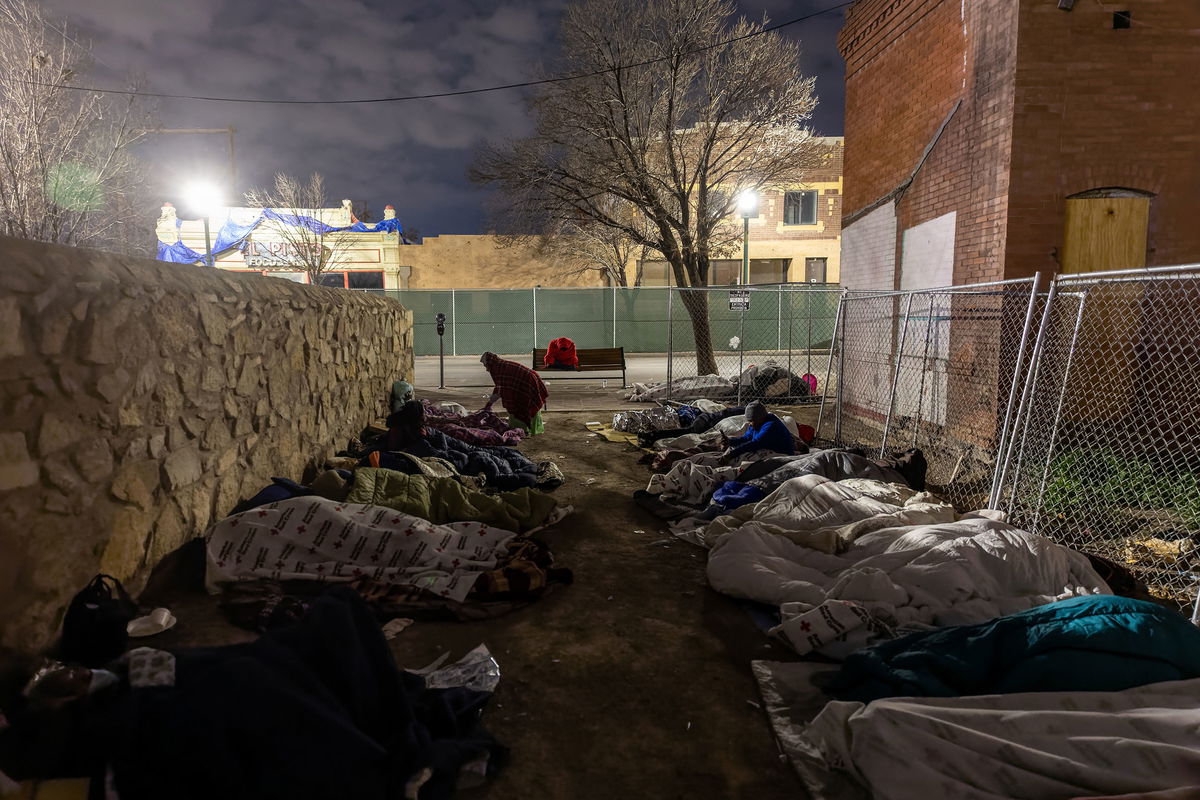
430 96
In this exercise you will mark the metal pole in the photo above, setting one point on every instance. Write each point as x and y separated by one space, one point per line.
745 251
1002 444
924 369
887 425
441 361
535 336
670 343
837 319
741 355
453 324
808 343
791 325
208 256
615 313
1035 361
779 323
1062 396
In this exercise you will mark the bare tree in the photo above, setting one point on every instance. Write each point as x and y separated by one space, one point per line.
682 106
307 243
66 171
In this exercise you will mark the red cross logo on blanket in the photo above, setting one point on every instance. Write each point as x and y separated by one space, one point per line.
300 529
262 513
804 626
396 520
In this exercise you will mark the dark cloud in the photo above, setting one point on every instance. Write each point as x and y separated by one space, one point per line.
414 154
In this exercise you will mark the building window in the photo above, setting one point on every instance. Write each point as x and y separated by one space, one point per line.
800 208
814 270
364 280
334 280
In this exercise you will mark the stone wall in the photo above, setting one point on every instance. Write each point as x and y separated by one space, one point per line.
142 400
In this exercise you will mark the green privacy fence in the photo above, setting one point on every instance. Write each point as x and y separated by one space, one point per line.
642 320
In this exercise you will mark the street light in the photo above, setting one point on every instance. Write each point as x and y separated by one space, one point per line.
205 198
748 205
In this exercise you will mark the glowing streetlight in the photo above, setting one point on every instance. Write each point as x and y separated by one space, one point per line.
206 198
748 205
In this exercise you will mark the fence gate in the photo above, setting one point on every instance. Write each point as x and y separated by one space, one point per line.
1105 452
935 369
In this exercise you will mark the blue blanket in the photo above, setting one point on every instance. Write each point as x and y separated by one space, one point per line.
1099 643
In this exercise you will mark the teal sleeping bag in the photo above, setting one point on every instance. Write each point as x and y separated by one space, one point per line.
1086 644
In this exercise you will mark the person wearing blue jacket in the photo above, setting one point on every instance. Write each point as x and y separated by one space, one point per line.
767 432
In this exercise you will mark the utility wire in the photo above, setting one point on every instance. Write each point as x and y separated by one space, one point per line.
402 98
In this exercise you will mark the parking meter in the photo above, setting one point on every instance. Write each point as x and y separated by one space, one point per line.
440 319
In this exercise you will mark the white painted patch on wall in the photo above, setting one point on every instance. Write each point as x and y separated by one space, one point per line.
926 262
927 253
869 250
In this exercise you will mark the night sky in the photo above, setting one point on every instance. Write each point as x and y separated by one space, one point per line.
412 154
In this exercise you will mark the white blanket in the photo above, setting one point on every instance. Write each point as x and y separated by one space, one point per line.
311 538
1037 746
908 566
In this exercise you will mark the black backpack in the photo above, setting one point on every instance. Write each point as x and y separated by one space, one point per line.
94 628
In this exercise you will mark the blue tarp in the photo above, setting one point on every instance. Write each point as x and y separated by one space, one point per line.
232 235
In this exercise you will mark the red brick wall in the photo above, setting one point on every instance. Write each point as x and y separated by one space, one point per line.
903 73
1099 107
907 63
829 202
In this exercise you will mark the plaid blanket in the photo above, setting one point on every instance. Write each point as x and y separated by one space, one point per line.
520 388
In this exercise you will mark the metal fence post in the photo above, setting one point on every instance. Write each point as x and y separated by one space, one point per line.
779 326
1002 445
1062 396
833 340
741 353
535 336
896 375
1035 363
670 342
924 369
614 304
453 325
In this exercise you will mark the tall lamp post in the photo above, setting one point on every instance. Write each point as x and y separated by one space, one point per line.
748 205
205 197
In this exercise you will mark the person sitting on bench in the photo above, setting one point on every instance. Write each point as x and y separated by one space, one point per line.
767 432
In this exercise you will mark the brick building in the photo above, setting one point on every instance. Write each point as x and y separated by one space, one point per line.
990 139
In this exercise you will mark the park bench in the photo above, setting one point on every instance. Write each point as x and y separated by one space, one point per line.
597 359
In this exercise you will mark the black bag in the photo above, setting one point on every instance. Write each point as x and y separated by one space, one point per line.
94 628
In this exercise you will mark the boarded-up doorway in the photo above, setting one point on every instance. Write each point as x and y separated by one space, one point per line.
1106 229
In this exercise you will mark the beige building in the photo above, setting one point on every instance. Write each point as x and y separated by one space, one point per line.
796 236
370 259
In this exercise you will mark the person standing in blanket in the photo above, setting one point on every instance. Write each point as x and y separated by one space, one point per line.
520 389
767 432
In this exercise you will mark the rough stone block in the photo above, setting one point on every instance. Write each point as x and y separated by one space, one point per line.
57 432
16 468
112 384
136 482
182 468
10 328
93 459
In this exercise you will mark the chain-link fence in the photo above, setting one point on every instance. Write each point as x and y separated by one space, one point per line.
1105 455
934 369
789 326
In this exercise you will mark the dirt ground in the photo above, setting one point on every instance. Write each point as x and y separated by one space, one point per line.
633 682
